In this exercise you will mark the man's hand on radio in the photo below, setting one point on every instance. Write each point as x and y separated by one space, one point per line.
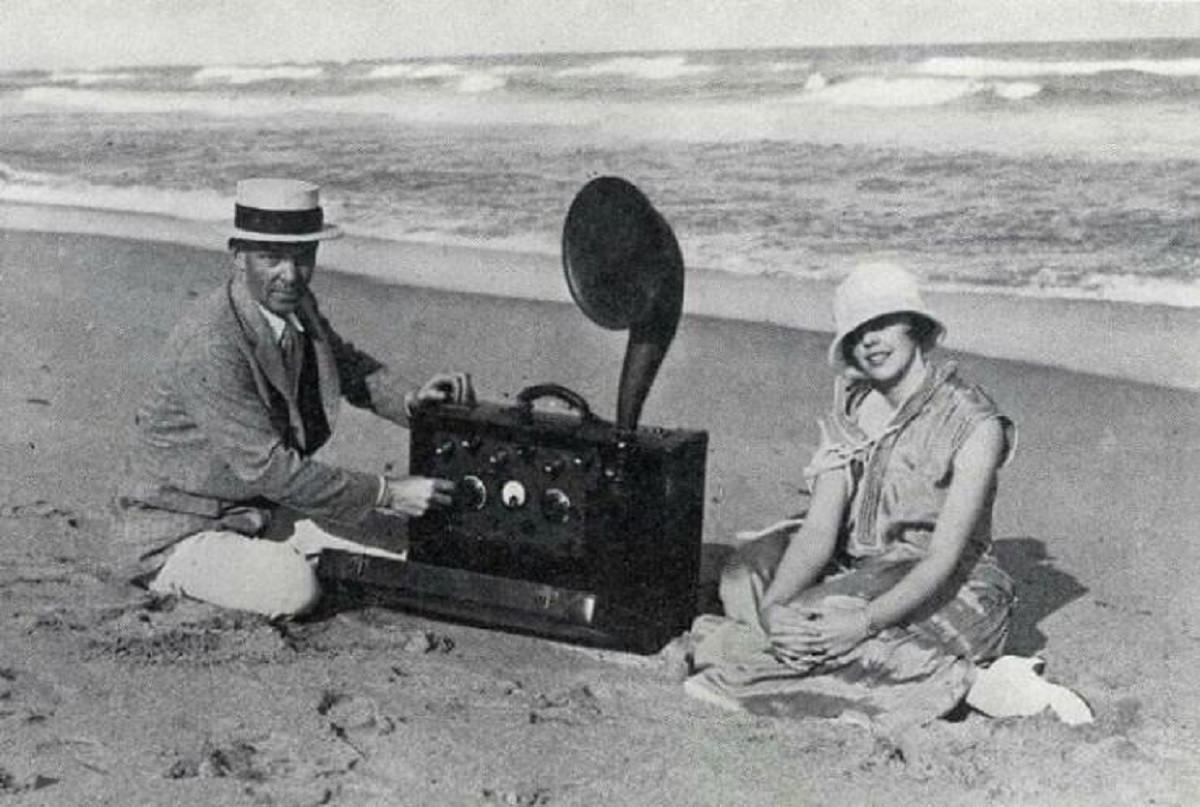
415 495
448 387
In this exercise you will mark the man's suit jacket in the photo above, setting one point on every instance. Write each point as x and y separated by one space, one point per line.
219 441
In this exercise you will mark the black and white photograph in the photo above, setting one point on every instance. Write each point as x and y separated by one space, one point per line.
757 403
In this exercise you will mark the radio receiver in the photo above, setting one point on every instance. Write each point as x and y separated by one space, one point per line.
565 524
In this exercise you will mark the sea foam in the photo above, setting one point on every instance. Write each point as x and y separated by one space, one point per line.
1005 68
657 68
87 78
149 103
909 91
236 75
28 187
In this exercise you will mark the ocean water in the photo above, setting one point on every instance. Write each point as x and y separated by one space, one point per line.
1068 169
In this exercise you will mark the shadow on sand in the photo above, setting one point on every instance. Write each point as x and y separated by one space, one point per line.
1041 588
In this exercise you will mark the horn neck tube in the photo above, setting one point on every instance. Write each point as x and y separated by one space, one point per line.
649 340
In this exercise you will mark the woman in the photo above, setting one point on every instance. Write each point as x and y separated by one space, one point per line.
887 595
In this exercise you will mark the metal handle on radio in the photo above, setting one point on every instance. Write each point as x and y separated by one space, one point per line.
573 399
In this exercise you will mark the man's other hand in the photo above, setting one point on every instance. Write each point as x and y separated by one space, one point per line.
448 387
415 495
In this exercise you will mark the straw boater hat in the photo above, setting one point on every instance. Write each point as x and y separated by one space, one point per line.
871 291
279 210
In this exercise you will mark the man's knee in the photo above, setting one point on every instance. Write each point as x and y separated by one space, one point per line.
295 593
241 573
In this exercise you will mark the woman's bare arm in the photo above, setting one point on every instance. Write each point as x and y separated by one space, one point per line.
813 546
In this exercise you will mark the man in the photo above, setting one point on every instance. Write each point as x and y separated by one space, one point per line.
245 392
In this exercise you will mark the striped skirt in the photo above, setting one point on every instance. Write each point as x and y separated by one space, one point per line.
907 674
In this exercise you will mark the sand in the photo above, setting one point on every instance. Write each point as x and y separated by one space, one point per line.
107 697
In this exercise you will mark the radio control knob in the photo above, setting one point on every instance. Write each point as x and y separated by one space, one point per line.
553 467
556 506
498 459
471 493
581 461
445 450
472 443
513 495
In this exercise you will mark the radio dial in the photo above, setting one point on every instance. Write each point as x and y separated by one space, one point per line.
472 443
553 467
445 450
499 459
556 506
472 493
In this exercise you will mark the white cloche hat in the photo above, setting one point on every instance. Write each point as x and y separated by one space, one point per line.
870 291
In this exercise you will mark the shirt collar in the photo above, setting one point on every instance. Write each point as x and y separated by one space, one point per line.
278 323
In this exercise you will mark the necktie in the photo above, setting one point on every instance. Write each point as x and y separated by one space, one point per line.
291 345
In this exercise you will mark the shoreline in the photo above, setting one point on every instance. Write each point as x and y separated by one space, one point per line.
1145 343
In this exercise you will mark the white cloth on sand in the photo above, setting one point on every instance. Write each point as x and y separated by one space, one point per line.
1013 686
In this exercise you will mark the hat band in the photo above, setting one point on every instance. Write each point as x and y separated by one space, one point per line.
278 222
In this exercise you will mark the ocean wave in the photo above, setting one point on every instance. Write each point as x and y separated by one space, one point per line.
417 71
815 83
1130 289
871 91
462 79
480 83
656 68
968 67
233 106
788 67
444 235
9 174
217 105
28 187
1016 90
88 78
1141 289
435 71
386 72
149 103
237 75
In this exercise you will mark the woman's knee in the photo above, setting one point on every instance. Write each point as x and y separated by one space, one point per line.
740 592
748 573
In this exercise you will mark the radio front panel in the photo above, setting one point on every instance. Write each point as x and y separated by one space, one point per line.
549 499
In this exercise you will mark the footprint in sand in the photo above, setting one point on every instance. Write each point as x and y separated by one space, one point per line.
12 784
577 706
274 767
518 797
25 699
353 714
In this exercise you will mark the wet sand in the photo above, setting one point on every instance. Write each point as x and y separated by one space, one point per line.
107 697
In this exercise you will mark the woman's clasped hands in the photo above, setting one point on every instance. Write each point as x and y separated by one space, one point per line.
807 635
